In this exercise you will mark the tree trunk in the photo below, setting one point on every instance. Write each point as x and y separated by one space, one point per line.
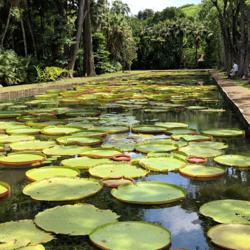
75 47
88 48
24 38
6 27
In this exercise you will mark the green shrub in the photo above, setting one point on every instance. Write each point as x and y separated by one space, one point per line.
13 68
50 73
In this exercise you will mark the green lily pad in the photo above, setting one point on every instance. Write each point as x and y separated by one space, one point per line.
240 161
65 150
204 152
183 131
62 189
101 153
112 129
19 160
149 129
91 133
9 114
224 132
117 170
78 219
23 131
49 172
14 244
59 130
196 107
15 138
149 193
75 140
227 211
131 235
154 147
162 164
201 171
84 163
210 144
192 138
21 230
35 145
213 110
171 125
230 236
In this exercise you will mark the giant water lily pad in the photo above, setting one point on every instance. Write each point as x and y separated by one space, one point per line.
65 150
210 144
25 131
49 172
35 145
155 147
76 140
230 236
117 170
149 193
14 244
4 189
224 132
23 230
15 138
84 163
201 171
149 129
21 159
91 133
131 235
101 153
62 189
240 161
112 129
162 164
59 130
227 211
182 131
171 125
192 150
192 138
78 219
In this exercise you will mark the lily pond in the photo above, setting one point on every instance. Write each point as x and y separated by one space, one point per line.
151 160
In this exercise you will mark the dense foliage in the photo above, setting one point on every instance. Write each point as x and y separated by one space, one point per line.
85 37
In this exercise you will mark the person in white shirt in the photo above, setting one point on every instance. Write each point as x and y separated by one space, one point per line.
234 70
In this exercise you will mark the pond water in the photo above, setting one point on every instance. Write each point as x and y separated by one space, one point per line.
187 227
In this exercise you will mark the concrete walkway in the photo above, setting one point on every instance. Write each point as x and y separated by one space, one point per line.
239 98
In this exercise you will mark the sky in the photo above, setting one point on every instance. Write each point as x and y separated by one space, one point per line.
137 5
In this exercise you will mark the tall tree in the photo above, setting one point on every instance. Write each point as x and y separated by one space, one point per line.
76 45
88 47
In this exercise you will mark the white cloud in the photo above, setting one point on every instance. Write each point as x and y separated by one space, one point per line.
157 5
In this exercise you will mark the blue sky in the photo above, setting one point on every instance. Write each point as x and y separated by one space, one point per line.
136 5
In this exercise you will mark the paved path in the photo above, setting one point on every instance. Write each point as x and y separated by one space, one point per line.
239 98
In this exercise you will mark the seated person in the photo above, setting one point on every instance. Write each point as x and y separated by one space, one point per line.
234 71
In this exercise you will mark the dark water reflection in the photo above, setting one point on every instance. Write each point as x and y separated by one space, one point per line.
188 228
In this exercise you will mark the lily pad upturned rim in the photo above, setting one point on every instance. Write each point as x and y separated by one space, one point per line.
227 132
37 159
216 233
8 190
159 202
223 160
188 171
102 245
42 218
